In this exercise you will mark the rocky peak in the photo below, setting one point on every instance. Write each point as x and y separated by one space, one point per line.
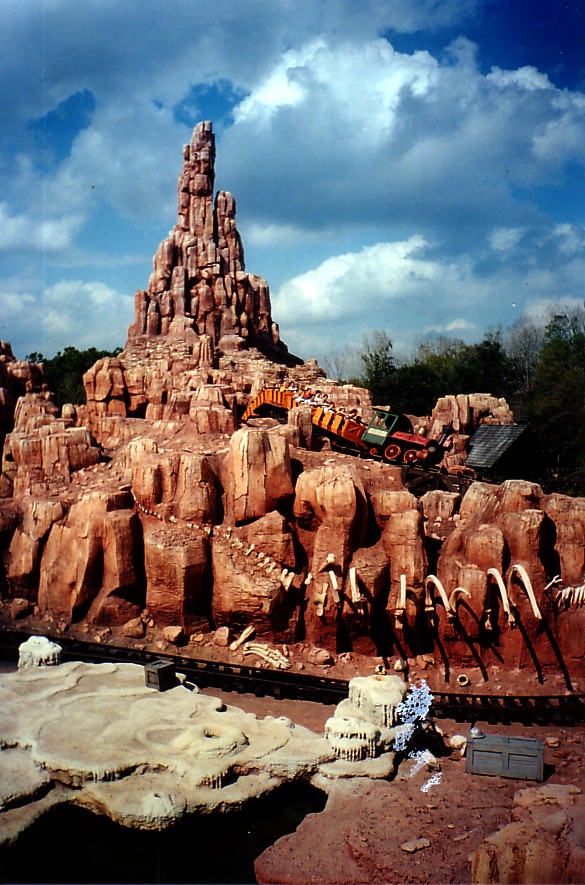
199 287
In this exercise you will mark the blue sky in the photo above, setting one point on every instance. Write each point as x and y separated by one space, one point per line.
414 166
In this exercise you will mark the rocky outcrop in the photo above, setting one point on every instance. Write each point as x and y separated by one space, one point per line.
203 339
567 515
200 311
199 286
257 474
333 502
178 576
148 506
179 484
24 552
249 590
43 450
464 413
467 410
544 842
400 518
93 558
504 551
17 377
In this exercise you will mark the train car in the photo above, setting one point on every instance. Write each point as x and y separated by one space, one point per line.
388 437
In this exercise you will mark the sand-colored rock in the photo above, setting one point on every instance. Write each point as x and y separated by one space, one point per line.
122 593
272 535
17 379
23 560
43 449
504 528
178 576
365 616
464 413
334 502
199 285
141 757
544 843
568 517
72 569
246 593
257 473
182 484
400 517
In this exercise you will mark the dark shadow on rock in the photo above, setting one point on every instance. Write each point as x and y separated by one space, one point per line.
209 848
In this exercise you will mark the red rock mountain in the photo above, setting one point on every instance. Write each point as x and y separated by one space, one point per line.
199 286
150 516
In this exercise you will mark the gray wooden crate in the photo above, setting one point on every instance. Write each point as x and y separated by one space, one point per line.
521 758
160 675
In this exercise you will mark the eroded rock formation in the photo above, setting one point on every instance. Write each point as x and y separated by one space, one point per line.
149 509
543 843
96 736
199 286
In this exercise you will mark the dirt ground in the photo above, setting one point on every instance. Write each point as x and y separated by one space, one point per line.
357 838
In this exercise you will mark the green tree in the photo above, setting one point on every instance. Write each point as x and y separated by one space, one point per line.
440 366
556 403
414 388
379 366
64 372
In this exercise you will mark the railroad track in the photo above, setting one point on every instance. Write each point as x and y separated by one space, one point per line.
205 674
566 709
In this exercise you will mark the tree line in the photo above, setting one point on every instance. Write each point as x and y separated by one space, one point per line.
64 372
537 365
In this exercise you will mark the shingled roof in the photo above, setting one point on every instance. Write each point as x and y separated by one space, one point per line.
491 442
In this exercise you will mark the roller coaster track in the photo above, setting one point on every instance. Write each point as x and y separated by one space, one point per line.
566 709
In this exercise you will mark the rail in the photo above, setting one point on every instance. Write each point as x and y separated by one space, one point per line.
567 709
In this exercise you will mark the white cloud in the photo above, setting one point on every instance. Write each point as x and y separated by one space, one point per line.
457 325
540 309
264 235
74 312
341 142
70 312
24 232
379 275
129 158
504 239
330 125
407 288
561 138
358 132
570 239
526 78
364 81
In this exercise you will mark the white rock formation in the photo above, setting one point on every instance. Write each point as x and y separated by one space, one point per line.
97 736
362 730
38 651
352 739
377 697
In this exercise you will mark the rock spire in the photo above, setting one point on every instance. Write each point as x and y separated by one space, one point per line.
199 286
